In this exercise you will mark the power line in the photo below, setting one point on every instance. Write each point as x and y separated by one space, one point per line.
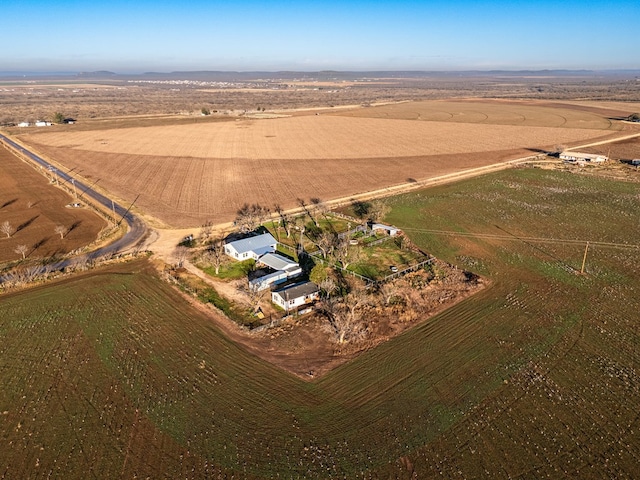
493 236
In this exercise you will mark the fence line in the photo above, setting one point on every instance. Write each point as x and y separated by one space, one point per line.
359 228
407 270
345 217
379 241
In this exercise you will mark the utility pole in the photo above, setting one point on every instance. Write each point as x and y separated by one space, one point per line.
584 259
127 211
75 193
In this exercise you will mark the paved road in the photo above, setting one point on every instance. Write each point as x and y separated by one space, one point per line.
137 228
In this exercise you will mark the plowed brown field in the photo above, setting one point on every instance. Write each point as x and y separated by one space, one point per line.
34 208
190 173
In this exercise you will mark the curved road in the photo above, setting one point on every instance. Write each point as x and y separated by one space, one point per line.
137 228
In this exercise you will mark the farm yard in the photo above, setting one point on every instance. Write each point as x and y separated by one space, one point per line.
187 174
534 376
39 216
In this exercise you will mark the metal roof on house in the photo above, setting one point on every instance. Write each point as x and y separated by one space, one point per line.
586 156
277 262
382 226
297 291
253 244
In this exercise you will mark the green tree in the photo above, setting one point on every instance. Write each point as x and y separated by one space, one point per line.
205 111
318 274
58 117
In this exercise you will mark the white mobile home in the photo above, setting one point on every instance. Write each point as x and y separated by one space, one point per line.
279 262
284 270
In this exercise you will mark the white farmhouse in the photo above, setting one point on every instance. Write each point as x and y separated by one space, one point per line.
296 295
23 124
252 247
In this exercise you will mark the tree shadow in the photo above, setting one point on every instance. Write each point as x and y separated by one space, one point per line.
545 152
75 225
39 244
9 202
24 225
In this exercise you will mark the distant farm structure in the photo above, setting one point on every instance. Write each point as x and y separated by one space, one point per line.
577 157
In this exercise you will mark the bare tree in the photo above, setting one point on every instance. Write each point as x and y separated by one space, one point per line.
7 228
288 223
60 230
328 286
248 217
253 294
181 253
317 208
300 226
559 148
346 314
205 231
283 220
215 253
325 241
345 253
307 210
378 209
22 250
388 291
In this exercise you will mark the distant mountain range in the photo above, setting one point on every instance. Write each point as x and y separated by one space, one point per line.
319 75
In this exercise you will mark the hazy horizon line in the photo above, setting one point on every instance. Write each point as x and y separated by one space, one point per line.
280 70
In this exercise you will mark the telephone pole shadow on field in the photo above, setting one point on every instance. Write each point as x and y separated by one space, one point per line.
564 264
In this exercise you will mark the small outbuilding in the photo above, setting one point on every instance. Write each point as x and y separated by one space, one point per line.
388 229
295 296
251 247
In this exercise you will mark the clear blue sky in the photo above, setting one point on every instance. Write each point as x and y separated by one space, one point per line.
144 35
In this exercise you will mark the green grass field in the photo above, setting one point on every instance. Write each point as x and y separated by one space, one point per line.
112 374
